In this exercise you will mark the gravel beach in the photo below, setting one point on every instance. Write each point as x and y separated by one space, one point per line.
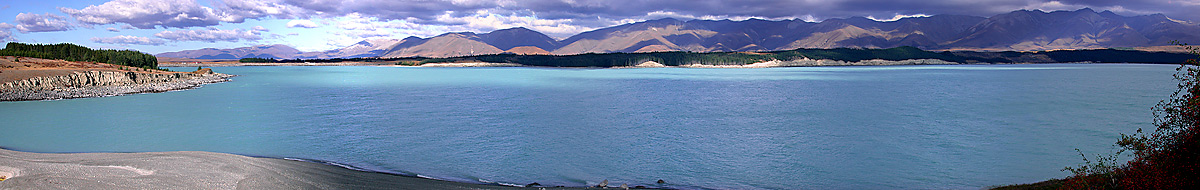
194 170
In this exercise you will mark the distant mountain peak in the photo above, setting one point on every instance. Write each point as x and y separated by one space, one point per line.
1029 11
858 18
667 19
514 29
364 42
1109 14
272 46
1016 30
260 51
520 36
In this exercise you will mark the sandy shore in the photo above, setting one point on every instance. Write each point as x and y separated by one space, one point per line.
800 63
196 170
826 62
475 64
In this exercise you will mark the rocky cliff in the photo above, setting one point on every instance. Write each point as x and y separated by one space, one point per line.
102 83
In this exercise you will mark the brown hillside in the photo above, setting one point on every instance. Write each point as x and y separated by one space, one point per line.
528 50
654 48
447 45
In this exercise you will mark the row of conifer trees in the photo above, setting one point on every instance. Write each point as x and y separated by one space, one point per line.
72 52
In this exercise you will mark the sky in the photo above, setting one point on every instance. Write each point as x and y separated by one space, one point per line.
157 26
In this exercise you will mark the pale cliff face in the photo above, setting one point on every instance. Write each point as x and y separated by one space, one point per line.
102 83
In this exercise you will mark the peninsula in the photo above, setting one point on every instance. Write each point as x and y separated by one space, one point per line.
31 72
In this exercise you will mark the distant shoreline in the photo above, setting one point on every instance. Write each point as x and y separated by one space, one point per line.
234 64
790 58
767 64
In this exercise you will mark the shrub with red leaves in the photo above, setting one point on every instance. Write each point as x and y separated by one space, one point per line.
1168 158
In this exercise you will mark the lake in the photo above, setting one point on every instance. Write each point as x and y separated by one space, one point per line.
865 127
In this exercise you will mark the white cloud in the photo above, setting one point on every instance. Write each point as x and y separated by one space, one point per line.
302 24
898 17
111 29
365 33
354 28
1052 6
128 40
671 14
5 33
261 8
210 34
260 29
359 22
809 18
30 22
147 14
1121 9
486 21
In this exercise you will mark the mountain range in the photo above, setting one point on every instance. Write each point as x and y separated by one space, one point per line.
1018 30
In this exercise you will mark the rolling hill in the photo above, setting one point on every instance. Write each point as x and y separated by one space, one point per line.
1022 30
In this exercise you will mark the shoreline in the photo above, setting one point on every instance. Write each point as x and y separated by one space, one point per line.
90 84
203 170
648 64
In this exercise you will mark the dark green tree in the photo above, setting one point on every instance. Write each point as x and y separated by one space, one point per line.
72 52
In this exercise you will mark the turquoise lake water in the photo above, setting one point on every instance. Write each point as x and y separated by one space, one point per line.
869 127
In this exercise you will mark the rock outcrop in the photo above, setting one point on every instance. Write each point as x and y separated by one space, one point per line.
103 83
203 71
